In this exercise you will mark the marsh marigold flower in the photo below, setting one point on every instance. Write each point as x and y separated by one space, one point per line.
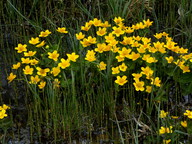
164 130
121 80
3 114
184 124
42 84
188 113
34 62
11 77
62 30
117 31
163 114
21 48
55 71
118 20
64 63
5 107
28 70
44 33
156 81
166 141
34 79
72 57
25 60
34 41
148 89
123 67
16 66
80 36
115 70
90 56
101 31
41 44
29 53
102 66
42 72
54 55
139 85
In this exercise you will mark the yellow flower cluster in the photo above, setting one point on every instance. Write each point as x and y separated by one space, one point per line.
129 49
36 52
3 109
164 130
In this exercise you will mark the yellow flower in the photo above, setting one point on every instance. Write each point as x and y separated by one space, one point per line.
55 71
163 114
100 47
109 38
62 30
85 42
123 67
91 40
16 66
30 53
101 32
41 44
44 33
21 48
117 31
164 130
25 60
42 72
96 22
3 114
166 141
118 20
174 117
188 113
124 52
105 24
85 28
80 36
34 80
136 76
120 58
102 66
129 30
127 40
64 63
156 81
134 56
184 124
158 35
4 107
147 71
169 59
28 70
54 55
147 23
121 80
11 77
148 89
72 57
139 85
185 68
115 70
34 62
90 56
42 84
34 41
